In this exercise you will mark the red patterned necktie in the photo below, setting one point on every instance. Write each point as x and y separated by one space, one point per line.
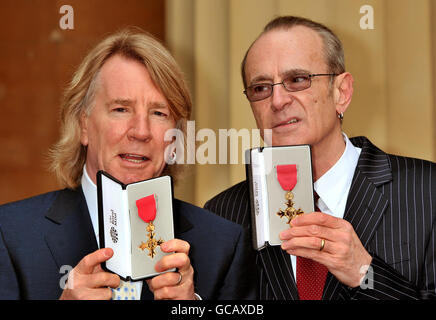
311 276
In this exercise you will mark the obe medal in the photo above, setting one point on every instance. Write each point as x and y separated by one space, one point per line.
287 177
147 212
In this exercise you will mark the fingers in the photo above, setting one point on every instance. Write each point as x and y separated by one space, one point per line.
179 259
174 285
88 281
317 218
95 280
311 243
311 237
175 293
167 279
92 260
103 279
90 286
175 245
87 294
310 229
307 232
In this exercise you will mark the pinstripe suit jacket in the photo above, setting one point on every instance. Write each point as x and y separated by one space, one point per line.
392 207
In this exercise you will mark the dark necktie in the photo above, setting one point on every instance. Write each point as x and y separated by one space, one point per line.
311 275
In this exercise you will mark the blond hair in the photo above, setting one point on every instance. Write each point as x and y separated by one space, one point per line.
68 155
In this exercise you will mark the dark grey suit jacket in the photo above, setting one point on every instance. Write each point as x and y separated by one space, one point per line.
41 234
392 207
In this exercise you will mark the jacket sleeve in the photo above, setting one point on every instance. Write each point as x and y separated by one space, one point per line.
240 282
9 288
382 282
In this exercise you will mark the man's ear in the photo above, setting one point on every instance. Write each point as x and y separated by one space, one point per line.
343 91
84 129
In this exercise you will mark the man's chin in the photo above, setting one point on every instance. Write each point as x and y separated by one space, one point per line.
288 138
130 177
287 141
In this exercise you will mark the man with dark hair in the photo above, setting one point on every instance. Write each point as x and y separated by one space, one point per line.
374 234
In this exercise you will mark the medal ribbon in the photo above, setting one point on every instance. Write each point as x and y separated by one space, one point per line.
147 208
287 176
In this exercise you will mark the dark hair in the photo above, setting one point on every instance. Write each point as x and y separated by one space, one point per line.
333 50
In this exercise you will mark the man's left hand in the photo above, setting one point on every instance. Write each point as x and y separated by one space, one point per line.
174 285
343 253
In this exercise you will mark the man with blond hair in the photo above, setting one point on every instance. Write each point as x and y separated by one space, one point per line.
124 97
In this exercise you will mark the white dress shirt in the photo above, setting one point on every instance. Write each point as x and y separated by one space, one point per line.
90 191
333 187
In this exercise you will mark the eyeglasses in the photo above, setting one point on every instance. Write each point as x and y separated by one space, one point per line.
260 91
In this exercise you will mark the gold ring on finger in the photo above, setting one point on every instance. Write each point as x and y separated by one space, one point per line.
322 245
180 278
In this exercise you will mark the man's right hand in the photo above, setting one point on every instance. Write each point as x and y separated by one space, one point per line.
88 281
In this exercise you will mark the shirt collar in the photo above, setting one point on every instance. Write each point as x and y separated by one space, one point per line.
333 187
90 191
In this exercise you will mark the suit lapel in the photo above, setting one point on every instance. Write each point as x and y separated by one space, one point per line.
366 204
71 236
278 270
181 223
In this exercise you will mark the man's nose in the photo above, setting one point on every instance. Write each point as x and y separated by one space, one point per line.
280 97
140 128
